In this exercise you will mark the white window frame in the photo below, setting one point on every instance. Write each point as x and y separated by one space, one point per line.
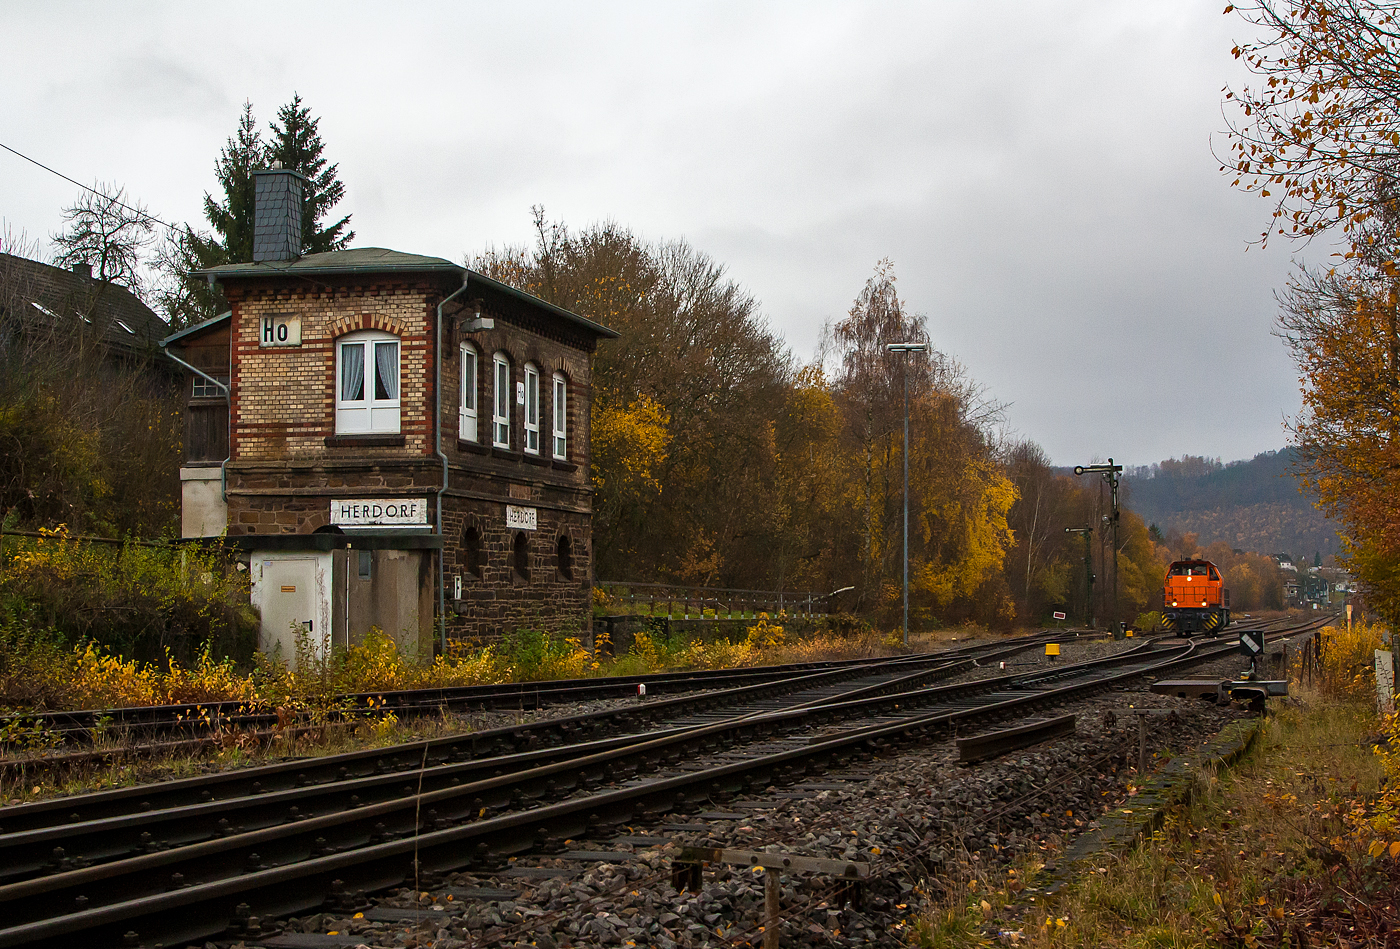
370 414
501 398
467 386
561 416
202 388
532 409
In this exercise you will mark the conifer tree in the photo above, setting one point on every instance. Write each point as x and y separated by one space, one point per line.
232 218
297 145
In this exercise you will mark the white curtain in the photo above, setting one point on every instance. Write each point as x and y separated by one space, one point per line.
386 370
352 372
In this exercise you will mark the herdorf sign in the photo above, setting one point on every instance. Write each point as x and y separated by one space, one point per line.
409 512
520 518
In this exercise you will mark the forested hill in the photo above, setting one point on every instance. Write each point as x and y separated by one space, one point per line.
1253 505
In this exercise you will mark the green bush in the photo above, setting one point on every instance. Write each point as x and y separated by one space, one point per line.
1148 621
139 601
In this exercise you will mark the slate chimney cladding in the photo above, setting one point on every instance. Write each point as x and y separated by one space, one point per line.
276 214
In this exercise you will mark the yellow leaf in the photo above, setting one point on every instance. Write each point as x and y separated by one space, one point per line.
1377 848
1395 848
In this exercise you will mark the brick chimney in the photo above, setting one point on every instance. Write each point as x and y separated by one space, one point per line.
83 269
276 214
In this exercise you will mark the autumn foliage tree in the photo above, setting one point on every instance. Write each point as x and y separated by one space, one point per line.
1320 128
959 495
684 401
1319 134
719 460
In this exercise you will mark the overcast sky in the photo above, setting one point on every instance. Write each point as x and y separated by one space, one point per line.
1041 176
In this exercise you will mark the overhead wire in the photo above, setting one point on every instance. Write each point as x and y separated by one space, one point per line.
106 197
176 229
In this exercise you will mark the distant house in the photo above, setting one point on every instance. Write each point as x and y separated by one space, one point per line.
38 300
395 441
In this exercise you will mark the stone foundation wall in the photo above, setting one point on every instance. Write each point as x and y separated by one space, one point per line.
496 598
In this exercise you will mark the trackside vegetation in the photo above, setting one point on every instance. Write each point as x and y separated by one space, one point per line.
1296 845
84 625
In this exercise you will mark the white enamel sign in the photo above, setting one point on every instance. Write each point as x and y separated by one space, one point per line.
520 518
369 512
280 331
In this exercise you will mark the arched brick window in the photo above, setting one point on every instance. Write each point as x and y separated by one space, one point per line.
500 401
532 409
561 417
466 406
564 555
520 556
471 551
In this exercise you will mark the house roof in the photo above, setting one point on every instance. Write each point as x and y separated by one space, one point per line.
355 261
34 291
381 260
197 328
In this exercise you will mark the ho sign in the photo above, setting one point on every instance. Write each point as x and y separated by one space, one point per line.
280 331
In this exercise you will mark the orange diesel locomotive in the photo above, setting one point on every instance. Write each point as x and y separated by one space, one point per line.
1195 599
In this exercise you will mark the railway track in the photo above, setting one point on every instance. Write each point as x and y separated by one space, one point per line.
171 723
82 725
284 839
142 734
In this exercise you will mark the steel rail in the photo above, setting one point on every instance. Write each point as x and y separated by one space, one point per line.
186 859
194 910
27 852
380 863
197 716
489 742
499 740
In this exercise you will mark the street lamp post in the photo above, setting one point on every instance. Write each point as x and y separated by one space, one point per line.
906 348
1110 476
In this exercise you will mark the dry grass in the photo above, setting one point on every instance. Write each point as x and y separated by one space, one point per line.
1260 856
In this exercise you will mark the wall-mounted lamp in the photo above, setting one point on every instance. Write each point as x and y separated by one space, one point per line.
476 322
